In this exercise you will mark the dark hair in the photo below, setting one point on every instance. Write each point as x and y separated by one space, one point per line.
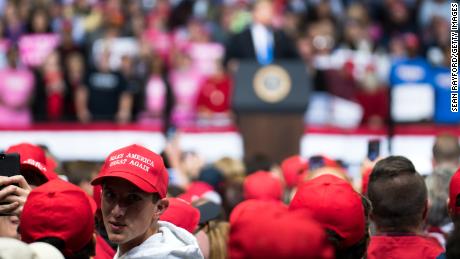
357 250
452 247
398 194
392 165
85 253
258 162
33 176
175 190
232 195
156 197
33 13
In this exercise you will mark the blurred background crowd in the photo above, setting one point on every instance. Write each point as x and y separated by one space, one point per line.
155 61
164 63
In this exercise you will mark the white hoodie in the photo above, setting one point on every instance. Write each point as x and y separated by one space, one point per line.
171 242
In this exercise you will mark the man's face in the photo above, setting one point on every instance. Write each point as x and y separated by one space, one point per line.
263 13
9 226
129 213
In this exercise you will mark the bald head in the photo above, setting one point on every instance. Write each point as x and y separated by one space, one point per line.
446 150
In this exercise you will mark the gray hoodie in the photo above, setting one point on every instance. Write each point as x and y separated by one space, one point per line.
171 242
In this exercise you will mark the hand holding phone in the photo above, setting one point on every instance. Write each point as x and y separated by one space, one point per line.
13 195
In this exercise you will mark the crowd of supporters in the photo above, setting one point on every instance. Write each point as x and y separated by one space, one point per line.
139 204
151 61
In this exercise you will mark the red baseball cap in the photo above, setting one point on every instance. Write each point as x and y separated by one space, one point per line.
254 206
197 190
293 168
365 180
333 202
97 195
262 185
266 229
454 192
51 166
32 157
140 166
181 214
58 209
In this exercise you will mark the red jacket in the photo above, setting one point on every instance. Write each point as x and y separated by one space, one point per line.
103 250
403 247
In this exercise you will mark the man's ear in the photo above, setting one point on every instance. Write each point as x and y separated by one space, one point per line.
162 205
425 210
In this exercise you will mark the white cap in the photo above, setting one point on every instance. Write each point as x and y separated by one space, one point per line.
44 250
11 248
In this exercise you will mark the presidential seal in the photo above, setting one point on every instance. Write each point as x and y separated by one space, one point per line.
272 84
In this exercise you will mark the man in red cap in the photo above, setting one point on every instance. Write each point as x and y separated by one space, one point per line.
339 209
293 168
134 185
33 163
266 229
33 172
182 214
262 185
60 213
400 203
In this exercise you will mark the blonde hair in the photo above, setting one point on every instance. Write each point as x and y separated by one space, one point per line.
232 169
217 232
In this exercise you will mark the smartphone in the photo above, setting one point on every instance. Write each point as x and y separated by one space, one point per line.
373 149
315 162
171 133
9 166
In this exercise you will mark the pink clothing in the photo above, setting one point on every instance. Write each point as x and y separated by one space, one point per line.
186 86
16 88
35 48
155 95
205 56
161 42
155 100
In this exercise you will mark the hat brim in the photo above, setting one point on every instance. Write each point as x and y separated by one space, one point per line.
29 167
208 211
136 180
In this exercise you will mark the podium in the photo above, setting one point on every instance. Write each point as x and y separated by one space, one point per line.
270 102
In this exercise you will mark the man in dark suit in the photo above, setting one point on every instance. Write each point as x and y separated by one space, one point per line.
259 40
261 43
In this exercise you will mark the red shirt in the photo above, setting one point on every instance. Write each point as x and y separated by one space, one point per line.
403 247
103 250
374 104
215 94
